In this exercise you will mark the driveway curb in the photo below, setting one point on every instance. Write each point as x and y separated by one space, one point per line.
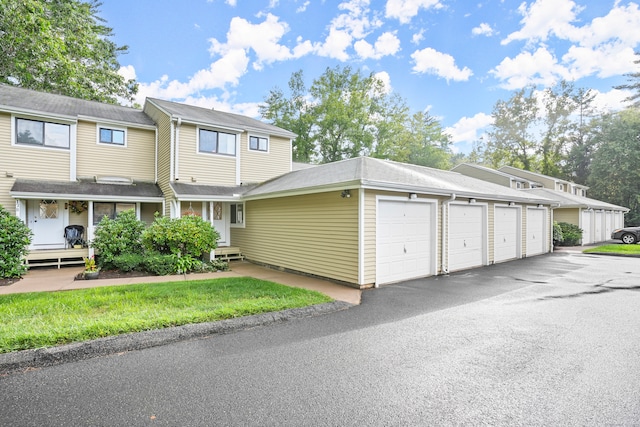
42 357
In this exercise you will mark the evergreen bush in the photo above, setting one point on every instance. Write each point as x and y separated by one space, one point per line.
15 238
114 237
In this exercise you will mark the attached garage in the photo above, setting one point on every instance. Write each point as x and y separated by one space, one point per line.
536 231
586 225
506 233
467 228
405 239
608 224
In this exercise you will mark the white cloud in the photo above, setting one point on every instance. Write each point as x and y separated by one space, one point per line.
404 10
303 7
335 45
612 100
384 77
418 37
387 44
603 47
469 129
545 17
231 3
539 68
128 72
262 38
483 29
431 61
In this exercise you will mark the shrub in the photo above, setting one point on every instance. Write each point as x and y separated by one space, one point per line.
557 234
129 262
15 238
572 234
114 237
189 235
159 264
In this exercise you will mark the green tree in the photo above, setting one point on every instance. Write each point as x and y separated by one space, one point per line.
615 176
512 140
294 113
577 163
634 85
559 104
63 47
119 236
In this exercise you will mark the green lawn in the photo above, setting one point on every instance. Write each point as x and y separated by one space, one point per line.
43 319
615 249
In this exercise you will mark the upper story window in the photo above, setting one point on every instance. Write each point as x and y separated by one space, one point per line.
518 185
211 141
258 143
46 134
111 136
561 187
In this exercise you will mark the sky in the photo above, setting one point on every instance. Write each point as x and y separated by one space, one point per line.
452 58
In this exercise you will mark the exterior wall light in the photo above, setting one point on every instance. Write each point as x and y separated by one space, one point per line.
413 196
345 193
472 200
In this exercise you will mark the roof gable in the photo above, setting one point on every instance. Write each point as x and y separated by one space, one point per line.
206 116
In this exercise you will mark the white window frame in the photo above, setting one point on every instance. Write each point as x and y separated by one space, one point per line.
243 216
101 126
44 121
211 153
258 150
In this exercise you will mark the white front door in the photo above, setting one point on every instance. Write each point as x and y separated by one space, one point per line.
46 218
220 221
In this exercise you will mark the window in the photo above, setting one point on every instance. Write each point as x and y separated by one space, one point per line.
48 209
258 143
34 132
518 185
217 142
237 213
112 136
110 210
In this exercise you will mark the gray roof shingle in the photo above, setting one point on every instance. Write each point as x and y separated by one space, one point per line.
219 118
91 190
15 98
391 175
567 200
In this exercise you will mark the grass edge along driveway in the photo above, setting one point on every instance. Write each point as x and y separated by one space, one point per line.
617 249
45 319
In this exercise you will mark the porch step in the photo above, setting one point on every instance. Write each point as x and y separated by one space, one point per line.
58 258
229 253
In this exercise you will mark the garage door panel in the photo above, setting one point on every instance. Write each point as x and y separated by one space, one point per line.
506 233
466 236
586 227
536 231
404 236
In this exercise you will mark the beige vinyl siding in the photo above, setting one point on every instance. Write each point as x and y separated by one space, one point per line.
31 162
207 169
6 201
163 124
136 160
568 215
258 166
315 234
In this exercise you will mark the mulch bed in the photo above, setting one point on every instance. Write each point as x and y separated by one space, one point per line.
7 282
115 274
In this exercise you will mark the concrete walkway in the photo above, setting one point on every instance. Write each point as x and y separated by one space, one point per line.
53 279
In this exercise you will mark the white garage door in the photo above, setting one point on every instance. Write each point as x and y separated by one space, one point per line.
467 241
404 243
586 227
506 228
608 224
536 231
599 230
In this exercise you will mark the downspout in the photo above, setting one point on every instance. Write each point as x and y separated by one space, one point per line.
445 233
171 151
156 159
178 124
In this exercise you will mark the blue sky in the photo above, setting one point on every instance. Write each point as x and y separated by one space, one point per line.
453 58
